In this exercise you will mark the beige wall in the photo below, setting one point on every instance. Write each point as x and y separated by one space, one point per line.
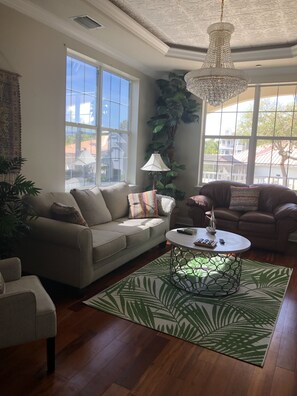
38 53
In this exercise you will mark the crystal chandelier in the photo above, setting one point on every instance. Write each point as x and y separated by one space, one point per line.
217 80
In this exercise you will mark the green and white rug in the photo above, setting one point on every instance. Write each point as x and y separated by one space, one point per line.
239 325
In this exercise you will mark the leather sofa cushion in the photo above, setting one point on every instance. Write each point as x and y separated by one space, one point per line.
258 217
227 214
220 192
272 195
259 228
116 199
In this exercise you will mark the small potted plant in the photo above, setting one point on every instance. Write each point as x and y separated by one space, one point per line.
13 209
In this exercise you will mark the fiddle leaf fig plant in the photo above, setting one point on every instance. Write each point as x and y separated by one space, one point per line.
13 209
174 106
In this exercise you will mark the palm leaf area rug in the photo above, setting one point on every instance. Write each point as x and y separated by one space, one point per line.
239 325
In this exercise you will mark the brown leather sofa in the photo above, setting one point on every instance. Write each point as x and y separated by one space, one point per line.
268 227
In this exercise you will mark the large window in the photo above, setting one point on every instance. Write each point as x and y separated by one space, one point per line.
253 138
97 125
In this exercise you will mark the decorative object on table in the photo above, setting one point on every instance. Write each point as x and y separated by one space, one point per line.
217 80
10 115
240 325
212 223
154 165
174 106
13 209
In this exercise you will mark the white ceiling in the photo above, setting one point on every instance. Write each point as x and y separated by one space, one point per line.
161 35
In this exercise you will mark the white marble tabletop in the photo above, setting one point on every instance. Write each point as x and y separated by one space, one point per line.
233 243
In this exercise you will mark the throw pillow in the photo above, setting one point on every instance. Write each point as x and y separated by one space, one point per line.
244 198
2 284
66 213
142 205
92 206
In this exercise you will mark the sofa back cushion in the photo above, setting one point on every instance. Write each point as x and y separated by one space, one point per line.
116 199
220 192
92 206
42 203
272 195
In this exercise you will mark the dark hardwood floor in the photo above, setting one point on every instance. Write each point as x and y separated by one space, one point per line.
99 354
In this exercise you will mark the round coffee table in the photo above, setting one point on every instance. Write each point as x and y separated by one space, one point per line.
206 271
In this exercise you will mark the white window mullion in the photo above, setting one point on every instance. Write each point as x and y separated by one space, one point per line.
99 128
253 139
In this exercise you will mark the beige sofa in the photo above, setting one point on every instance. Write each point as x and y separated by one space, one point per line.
77 255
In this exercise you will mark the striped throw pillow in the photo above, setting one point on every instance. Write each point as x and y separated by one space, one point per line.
244 199
142 205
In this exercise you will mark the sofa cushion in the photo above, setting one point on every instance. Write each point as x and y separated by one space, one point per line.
116 199
143 205
256 229
107 243
227 214
42 203
92 206
2 284
258 217
219 192
244 198
272 195
66 213
136 231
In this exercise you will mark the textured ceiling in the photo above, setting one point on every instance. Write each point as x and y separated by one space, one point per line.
183 23
156 36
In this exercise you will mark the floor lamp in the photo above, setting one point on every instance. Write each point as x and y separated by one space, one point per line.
155 164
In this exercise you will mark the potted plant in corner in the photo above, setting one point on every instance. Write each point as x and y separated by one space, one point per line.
13 209
174 105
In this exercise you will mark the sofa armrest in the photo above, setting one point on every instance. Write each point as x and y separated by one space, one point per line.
165 205
285 210
200 201
11 269
18 317
59 232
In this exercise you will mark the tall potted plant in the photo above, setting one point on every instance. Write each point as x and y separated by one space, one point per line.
13 209
174 105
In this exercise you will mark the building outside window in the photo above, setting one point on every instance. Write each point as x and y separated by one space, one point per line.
97 133
253 138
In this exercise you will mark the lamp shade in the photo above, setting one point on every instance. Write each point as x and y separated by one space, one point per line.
155 164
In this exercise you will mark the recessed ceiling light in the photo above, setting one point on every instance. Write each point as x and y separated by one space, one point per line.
258 65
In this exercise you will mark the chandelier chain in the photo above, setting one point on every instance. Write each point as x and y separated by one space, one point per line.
222 11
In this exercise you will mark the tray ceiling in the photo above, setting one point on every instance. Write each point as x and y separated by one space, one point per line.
156 36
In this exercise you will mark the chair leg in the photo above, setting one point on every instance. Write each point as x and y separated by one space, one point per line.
51 358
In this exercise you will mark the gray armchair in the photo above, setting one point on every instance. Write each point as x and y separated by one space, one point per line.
27 312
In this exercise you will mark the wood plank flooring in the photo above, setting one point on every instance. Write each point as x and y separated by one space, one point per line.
99 354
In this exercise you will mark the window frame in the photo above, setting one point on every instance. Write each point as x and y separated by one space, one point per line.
252 138
98 128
